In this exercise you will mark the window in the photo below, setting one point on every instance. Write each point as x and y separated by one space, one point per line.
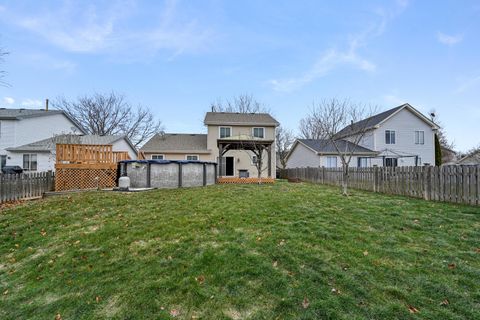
30 162
192 157
391 162
259 132
225 132
3 161
362 162
389 137
419 137
254 160
158 157
331 162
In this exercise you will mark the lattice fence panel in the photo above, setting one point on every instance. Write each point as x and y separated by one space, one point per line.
74 178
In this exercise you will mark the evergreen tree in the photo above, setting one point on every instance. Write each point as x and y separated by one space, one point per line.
438 151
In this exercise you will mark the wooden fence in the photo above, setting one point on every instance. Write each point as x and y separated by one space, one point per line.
25 186
81 166
458 184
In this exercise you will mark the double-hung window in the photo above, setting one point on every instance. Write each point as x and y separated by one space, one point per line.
259 133
225 132
158 157
30 162
331 162
192 157
419 137
362 162
389 137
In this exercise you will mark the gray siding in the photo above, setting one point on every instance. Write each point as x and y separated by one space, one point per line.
302 156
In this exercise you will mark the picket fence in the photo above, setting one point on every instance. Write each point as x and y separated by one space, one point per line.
25 185
457 184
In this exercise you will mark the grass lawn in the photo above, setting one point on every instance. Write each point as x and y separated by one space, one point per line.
283 251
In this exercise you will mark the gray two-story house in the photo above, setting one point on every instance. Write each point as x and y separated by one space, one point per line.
401 136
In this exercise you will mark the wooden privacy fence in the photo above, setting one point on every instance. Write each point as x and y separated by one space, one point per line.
81 166
25 185
458 184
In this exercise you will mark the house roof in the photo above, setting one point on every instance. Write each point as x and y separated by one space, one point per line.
326 146
48 144
235 118
176 142
19 114
376 120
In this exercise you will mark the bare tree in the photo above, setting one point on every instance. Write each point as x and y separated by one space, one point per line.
441 133
244 103
283 140
258 153
111 114
3 53
340 124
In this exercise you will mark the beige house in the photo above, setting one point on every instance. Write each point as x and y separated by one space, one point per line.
233 141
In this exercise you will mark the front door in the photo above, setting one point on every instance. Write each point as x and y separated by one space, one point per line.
229 166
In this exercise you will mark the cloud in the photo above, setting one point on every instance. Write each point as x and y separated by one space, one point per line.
44 61
8 100
449 40
31 103
114 29
350 56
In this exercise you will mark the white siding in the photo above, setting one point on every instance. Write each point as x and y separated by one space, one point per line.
45 161
302 156
122 145
352 164
7 135
405 123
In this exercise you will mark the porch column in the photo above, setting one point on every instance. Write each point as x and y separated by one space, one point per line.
269 157
220 160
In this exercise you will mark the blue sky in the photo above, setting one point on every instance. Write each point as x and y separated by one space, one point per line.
178 56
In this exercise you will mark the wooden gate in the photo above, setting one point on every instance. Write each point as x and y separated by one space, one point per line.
81 166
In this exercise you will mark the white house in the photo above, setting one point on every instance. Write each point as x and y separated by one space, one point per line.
401 136
44 150
22 126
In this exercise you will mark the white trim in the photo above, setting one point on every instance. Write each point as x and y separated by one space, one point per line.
192 155
151 156
220 129
253 132
390 136
415 112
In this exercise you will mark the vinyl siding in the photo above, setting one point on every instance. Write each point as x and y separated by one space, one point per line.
302 156
405 123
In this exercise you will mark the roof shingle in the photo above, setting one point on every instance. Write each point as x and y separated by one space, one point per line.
176 142
326 146
234 118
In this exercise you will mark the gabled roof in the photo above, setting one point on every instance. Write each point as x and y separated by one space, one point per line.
47 145
176 142
376 120
19 114
239 119
326 146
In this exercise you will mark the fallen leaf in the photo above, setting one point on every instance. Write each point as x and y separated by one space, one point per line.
58 317
174 312
282 243
477 250
412 309
43 232
274 264
452 266
444 302
259 238
305 303
335 291
365 253
5 292
97 299
200 279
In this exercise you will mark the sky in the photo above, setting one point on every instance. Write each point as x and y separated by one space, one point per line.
176 57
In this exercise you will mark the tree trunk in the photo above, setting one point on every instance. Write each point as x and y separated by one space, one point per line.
345 180
259 169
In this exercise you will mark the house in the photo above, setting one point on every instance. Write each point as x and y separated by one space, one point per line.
449 156
23 126
473 158
231 141
401 136
43 151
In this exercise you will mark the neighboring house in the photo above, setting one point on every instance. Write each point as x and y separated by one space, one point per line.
471 159
401 136
45 150
22 126
449 156
227 131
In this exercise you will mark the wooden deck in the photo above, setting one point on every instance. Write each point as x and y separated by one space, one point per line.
227 180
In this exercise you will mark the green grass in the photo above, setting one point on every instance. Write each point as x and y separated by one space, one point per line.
239 252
